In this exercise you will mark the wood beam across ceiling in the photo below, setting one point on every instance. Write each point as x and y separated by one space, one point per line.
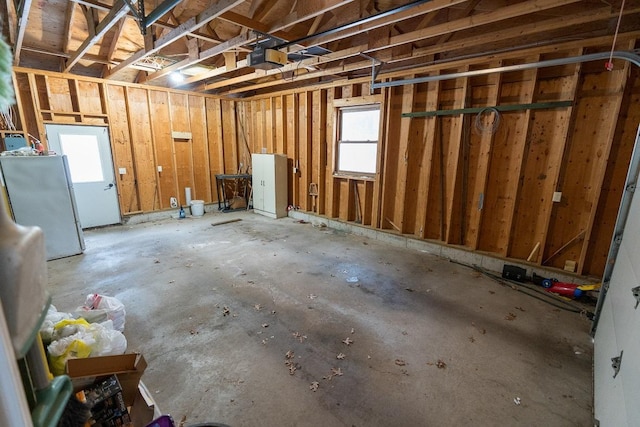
68 19
106 8
386 55
236 42
192 24
119 10
23 18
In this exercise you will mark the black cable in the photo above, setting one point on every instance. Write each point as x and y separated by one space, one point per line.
549 298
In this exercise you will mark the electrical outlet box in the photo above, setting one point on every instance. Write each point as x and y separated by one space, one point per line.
557 196
122 171
159 168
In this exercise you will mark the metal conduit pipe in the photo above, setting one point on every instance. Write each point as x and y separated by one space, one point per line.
634 166
632 57
159 11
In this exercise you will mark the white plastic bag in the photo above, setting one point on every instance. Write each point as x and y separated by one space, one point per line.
81 339
98 308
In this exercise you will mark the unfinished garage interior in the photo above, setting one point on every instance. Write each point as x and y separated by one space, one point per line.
307 208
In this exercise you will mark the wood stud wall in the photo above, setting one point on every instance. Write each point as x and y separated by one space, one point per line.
141 122
439 178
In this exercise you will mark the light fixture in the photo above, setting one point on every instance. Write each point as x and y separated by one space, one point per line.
176 77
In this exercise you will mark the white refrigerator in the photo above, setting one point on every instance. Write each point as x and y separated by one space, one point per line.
41 194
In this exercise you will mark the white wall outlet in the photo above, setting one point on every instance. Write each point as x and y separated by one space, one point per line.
159 168
557 196
122 171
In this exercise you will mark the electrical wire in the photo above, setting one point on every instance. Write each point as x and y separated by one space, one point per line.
533 292
609 64
491 127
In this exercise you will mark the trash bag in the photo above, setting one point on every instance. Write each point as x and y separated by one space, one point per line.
98 308
77 338
52 317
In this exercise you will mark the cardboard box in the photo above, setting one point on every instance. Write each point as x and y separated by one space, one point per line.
129 369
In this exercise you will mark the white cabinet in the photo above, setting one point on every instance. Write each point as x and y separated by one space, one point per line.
269 183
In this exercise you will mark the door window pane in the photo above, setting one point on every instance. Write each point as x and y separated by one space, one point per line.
83 154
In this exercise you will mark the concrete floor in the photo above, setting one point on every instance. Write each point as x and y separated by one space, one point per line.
433 343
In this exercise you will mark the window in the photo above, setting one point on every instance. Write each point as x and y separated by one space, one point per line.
83 155
358 139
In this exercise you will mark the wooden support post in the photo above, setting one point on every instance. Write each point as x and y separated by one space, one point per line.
429 140
453 171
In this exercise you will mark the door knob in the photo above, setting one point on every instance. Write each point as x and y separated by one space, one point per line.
108 186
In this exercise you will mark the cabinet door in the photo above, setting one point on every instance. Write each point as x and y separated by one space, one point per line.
257 166
269 184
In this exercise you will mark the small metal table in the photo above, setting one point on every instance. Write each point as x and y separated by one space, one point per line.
230 187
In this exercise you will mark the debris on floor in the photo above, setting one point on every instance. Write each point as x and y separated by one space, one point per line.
348 341
335 372
517 401
314 386
341 356
257 307
440 364
290 363
312 296
353 279
400 362
228 221
510 316
299 336
225 311
265 325
353 331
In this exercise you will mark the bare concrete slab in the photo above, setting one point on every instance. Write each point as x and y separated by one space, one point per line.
274 322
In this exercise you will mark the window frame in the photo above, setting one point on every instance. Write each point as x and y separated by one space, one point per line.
372 106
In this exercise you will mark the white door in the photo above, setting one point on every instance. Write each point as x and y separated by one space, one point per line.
89 154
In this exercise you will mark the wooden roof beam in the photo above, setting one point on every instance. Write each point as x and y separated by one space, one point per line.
585 17
307 10
181 30
23 18
412 12
68 19
120 9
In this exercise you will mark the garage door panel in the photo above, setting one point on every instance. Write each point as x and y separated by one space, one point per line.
609 402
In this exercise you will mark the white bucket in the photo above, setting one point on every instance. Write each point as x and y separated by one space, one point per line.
197 207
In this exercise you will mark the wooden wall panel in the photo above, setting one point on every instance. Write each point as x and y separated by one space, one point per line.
230 137
216 146
182 148
290 133
59 95
546 144
305 129
423 215
393 159
615 177
163 145
89 99
121 147
597 102
142 148
507 157
484 93
201 177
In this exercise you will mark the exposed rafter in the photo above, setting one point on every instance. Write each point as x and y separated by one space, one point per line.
119 10
23 17
191 25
